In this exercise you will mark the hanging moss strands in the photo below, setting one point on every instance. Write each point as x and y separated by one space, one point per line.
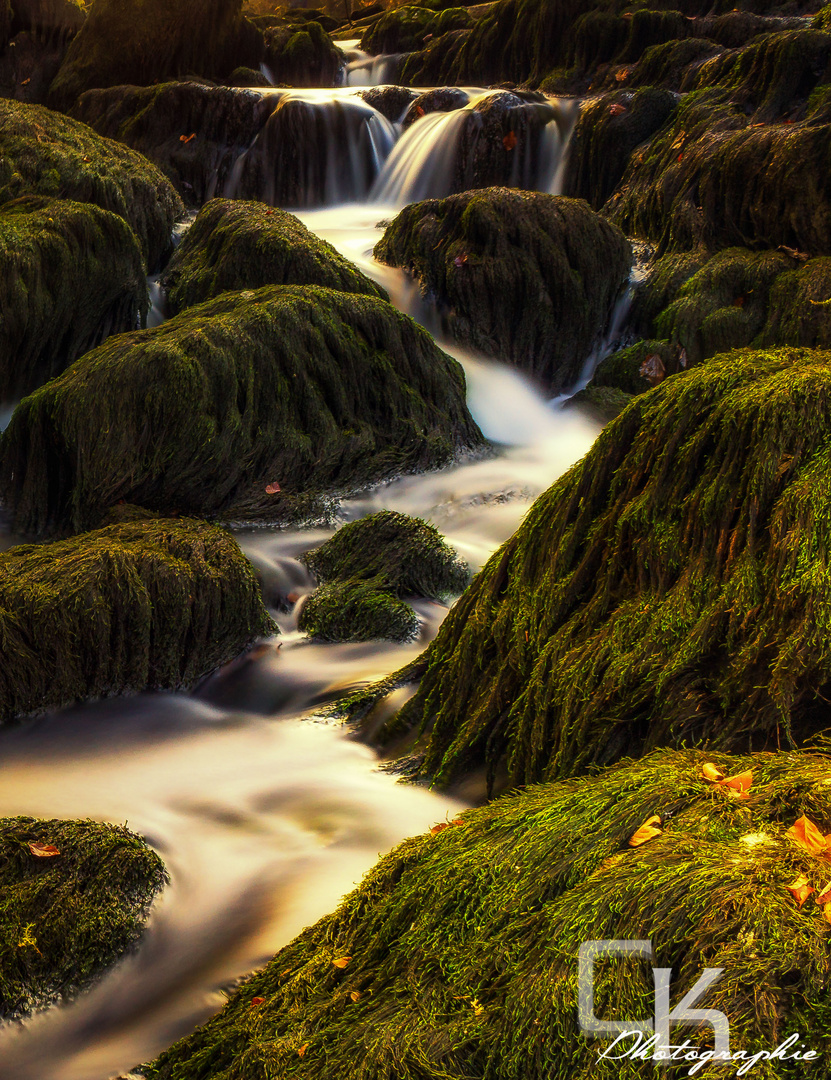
355 610
71 274
457 955
234 244
670 589
74 897
149 605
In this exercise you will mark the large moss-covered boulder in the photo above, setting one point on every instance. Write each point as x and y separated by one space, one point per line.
670 589
799 310
302 55
154 604
71 274
399 30
457 956
75 897
234 244
525 277
146 41
44 153
357 610
259 403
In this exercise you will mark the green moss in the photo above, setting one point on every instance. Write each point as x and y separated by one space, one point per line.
602 403
622 370
463 945
302 57
399 554
43 153
399 30
660 287
671 64
357 611
70 275
799 312
234 244
526 277
822 19
150 605
64 919
320 392
145 41
671 589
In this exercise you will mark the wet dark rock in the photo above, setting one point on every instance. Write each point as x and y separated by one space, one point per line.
71 274
437 63
525 277
48 18
258 404
234 245
390 101
442 99
44 153
244 77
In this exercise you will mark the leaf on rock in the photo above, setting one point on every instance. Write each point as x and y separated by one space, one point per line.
341 963
43 851
800 889
711 772
805 833
509 142
273 489
739 785
648 831
301 1050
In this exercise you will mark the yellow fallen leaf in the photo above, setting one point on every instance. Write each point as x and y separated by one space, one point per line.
711 772
342 962
648 831
800 889
738 785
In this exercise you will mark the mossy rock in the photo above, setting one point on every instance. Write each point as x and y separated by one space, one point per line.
600 403
68 917
660 286
436 64
457 955
623 370
712 178
799 311
671 65
316 391
48 18
390 101
234 244
302 56
399 30
670 589
439 99
140 42
402 555
44 153
608 130
246 77
735 29
150 605
525 277
71 274
357 611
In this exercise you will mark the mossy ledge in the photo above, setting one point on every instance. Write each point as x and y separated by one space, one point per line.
44 153
234 244
671 589
458 952
150 605
256 404
522 276
68 917
71 274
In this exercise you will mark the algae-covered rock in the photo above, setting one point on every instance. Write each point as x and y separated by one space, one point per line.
799 310
457 956
44 153
402 555
637 368
522 276
257 403
302 55
68 916
145 41
357 611
71 274
150 605
670 589
673 64
402 29
601 403
234 244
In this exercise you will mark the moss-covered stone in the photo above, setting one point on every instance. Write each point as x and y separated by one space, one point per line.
151 605
234 244
357 611
525 277
147 41
457 955
68 917
799 309
390 101
609 128
315 391
439 99
625 370
71 274
44 153
670 589
48 18
245 77
399 30
601 403
671 65
302 56
660 286
402 555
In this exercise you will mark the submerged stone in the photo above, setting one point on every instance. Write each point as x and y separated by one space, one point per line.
71 274
521 276
457 955
258 404
357 611
44 153
234 244
69 916
150 605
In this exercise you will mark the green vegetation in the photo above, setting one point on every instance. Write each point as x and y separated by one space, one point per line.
671 589
401 29
458 952
234 244
304 391
525 277
302 56
150 605
357 611
44 153
70 275
67 917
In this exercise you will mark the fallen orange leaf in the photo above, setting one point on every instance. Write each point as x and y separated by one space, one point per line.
256 1001
356 995
273 489
442 825
826 911
805 833
711 772
646 832
43 851
509 142
342 962
800 889
740 784
301 1050
825 894
616 109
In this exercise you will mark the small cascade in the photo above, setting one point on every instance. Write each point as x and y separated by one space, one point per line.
365 70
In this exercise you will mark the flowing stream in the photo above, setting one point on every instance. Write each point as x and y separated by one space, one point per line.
264 813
